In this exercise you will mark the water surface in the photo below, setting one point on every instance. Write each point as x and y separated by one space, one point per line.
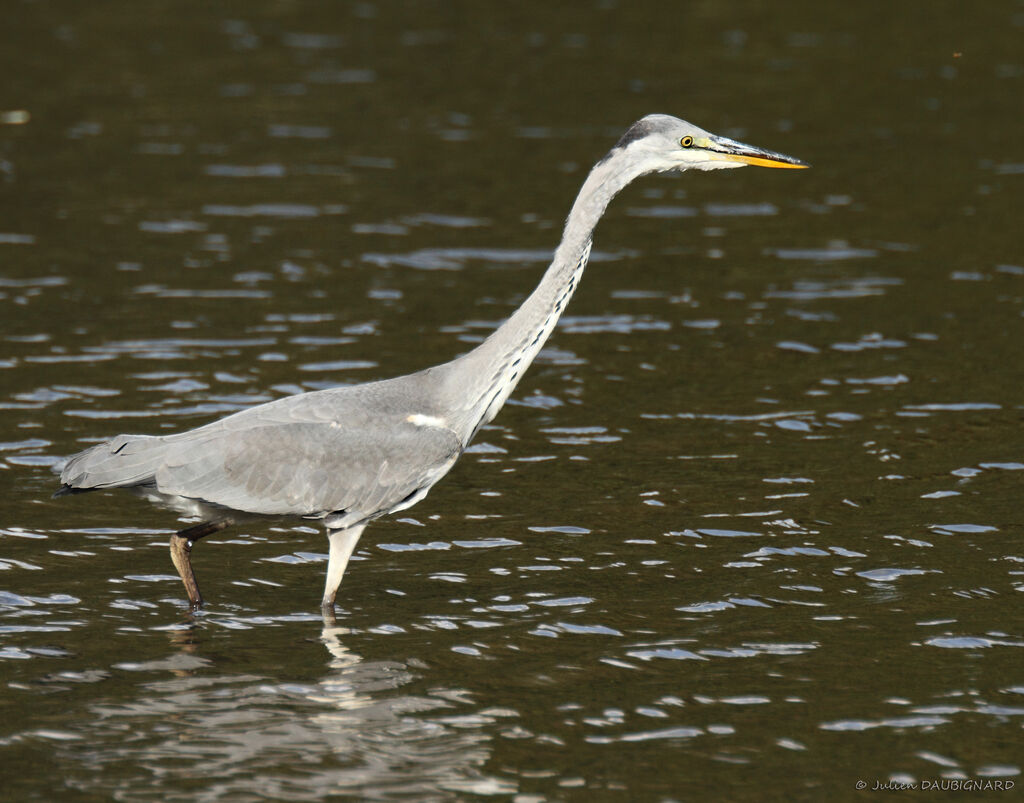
748 529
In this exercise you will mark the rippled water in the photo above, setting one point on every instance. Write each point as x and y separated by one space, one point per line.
748 529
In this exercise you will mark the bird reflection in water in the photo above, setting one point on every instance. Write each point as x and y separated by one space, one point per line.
354 731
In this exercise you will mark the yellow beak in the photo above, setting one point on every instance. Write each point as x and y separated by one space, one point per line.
763 161
733 151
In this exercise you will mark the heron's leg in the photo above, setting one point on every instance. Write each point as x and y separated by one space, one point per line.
181 549
343 543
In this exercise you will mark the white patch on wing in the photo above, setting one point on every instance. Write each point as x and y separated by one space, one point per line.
420 420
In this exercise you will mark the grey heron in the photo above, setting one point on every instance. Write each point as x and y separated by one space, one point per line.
348 455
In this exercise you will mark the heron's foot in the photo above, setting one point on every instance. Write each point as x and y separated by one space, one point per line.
181 555
328 613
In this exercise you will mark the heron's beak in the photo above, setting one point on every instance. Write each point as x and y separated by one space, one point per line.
730 150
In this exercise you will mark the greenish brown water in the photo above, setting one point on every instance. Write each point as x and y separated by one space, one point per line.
750 527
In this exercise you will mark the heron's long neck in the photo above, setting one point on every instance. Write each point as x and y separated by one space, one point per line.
478 383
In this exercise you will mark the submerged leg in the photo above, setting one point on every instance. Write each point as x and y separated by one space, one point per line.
181 548
343 543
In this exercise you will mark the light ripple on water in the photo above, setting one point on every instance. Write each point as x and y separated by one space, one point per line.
446 221
171 226
680 732
722 605
841 289
455 258
561 529
892 722
591 630
10 238
663 212
719 533
162 291
177 343
962 529
971 642
793 345
35 281
954 407
270 170
740 210
579 436
338 365
837 252
619 324
888 575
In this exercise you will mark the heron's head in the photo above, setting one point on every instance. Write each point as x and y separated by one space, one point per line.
660 142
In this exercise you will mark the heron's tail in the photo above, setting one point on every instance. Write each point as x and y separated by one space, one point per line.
124 461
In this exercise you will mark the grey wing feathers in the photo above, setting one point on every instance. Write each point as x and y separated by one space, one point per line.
124 461
312 455
308 469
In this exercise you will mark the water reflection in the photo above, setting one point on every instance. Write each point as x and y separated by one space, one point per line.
357 729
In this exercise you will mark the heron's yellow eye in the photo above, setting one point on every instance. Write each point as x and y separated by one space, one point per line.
686 142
